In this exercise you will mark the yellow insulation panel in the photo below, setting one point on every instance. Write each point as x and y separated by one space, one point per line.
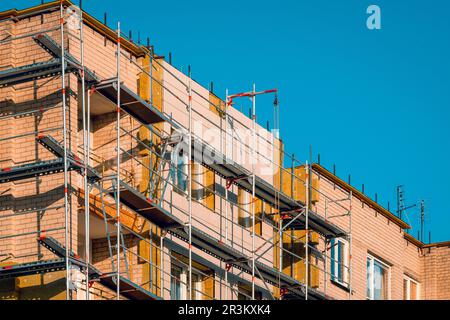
209 185
208 287
151 253
144 79
278 148
150 89
301 235
294 258
295 185
47 286
156 84
300 271
216 105
259 205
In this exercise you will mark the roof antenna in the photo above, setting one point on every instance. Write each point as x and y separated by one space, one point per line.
422 219
401 208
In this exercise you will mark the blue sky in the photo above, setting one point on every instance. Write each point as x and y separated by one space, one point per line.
375 103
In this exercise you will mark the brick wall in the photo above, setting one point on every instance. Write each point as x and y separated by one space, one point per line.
21 222
374 234
34 206
435 269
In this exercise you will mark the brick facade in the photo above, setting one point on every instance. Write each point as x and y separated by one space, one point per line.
35 207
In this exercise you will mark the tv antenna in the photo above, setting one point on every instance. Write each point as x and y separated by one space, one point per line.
401 207
422 219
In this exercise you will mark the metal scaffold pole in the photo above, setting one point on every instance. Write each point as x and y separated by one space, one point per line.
307 200
118 164
253 186
88 156
226 189
85 152
350 244
190 181
325 253
161 249
280 249
66 196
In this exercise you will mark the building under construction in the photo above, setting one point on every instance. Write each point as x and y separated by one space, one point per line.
123 178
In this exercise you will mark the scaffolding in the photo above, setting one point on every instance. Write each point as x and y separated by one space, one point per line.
287 214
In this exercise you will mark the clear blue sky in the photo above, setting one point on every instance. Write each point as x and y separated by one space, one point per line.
375 103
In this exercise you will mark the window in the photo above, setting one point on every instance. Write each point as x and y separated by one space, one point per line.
202 280
177 283
339 261
410 289
197 289
179 169
245 292
378 274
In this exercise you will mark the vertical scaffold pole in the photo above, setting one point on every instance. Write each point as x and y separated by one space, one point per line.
66 179
88 156
280 247
226 189
350 258
307 194
190 182
118 163
161 249
325 267
85 153
253 187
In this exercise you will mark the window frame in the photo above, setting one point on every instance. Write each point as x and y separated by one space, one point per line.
181 282
408 280
197 290
334 263
180 168
386 267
